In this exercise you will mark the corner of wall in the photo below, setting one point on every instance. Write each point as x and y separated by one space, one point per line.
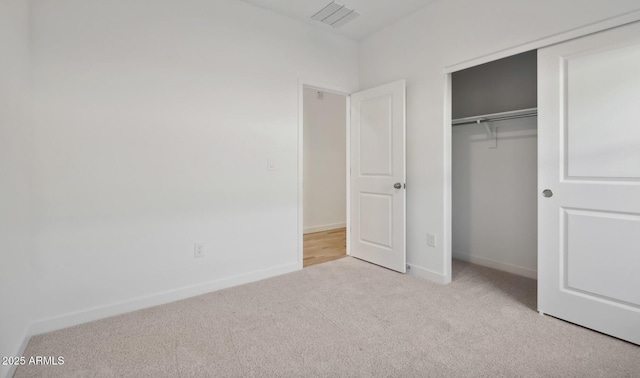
9 371
427 274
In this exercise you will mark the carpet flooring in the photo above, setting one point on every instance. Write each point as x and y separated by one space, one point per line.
342 318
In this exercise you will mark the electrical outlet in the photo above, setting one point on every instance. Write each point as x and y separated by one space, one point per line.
431 240
271 164
198 250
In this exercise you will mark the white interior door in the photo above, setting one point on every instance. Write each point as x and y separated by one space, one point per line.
378 176
589 161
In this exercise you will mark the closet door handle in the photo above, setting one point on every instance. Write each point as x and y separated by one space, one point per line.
547 193
397 185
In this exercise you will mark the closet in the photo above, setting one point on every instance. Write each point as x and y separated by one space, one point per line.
494 164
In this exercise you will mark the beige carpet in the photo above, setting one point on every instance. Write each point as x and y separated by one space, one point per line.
343 318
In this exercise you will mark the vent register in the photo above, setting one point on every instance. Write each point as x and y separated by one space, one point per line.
335 15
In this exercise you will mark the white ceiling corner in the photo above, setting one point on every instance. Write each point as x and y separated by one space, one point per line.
375 14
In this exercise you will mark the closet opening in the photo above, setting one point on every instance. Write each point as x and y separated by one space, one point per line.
494 165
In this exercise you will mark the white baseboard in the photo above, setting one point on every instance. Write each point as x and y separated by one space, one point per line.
68 320
427 274
326 227
515 269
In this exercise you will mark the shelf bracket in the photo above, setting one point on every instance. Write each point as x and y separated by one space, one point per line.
492 135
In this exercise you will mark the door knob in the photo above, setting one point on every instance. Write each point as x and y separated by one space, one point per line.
397 185
547 193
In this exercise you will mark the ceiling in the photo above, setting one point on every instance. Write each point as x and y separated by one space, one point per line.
375 14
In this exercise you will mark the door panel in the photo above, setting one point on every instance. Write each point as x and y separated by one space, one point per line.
598 129
376 219
376 137
587 254
589 157
377 164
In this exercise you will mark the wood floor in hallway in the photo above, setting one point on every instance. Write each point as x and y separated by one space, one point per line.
321 247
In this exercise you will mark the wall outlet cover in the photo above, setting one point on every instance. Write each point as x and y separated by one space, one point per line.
431 240
198 250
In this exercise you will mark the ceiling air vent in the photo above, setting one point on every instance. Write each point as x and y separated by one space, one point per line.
335 15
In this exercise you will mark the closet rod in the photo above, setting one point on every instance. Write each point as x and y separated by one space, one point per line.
524 113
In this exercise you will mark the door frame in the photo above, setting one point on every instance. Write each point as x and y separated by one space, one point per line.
447 125
302 84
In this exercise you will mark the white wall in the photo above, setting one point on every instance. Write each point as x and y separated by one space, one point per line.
325 161
494 192
154 120
418 49
15 152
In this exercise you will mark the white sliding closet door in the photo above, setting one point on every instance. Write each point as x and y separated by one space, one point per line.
589 181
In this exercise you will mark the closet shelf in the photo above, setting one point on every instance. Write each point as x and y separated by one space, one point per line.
523 113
